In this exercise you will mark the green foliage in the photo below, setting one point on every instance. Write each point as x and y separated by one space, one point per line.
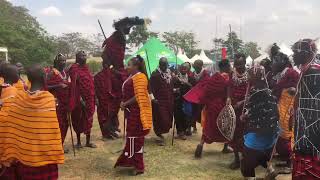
252 49
139 35
69 43
94 66
233 43
183 40
26 40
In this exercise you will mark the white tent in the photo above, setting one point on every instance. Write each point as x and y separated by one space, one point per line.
249 61
194 58
285 49
183 56
204 58
260 58
5 51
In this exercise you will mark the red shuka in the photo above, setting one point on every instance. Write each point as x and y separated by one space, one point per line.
134 130
212 93
290 79
163 109
82 86
102 92
54 77
238 93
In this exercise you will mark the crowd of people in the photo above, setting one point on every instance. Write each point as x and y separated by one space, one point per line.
271 108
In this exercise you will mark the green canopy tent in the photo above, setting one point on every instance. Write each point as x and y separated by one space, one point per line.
155 49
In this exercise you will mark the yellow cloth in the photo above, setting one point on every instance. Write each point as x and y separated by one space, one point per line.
20 85
140 85
285 107
8 92
1 80
30 130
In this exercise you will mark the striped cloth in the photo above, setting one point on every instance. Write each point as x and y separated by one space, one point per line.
140 85
8 92
29 130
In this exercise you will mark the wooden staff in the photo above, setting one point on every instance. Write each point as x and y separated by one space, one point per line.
174 121
105 37
70 126
147 57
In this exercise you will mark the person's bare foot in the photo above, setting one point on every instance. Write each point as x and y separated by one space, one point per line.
271 175
234 165
182 137
91 145
198 152
195 131
137 173
226 150
78 146
160 140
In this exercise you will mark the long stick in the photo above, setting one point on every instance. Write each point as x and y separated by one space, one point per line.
173 128
105 37
70 126
174 121
232 48
124 125
148 62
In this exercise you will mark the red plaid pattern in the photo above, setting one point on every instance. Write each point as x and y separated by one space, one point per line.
20 171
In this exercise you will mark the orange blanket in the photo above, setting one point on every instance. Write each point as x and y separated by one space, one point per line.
140 85
285 107
29 130
22 85
8 92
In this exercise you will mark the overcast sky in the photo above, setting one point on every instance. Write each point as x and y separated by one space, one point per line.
263 21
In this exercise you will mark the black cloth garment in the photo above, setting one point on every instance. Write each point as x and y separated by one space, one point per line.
183 122
263 113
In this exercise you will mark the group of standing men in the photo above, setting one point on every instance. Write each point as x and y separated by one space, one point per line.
276 109
275 104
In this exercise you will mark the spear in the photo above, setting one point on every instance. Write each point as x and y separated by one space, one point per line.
105 37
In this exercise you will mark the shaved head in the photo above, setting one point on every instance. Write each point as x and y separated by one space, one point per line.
198 65
163 64
10 73
36 76
2 64
81 58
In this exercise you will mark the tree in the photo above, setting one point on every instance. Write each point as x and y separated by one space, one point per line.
139 35
252 49
183 40
98 39
26 40
218 44
233 43
69 43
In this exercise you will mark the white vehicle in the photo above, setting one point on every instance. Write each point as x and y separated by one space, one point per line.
4 50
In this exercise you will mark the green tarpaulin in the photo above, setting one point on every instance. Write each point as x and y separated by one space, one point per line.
155 50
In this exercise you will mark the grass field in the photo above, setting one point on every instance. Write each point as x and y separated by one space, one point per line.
167 162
